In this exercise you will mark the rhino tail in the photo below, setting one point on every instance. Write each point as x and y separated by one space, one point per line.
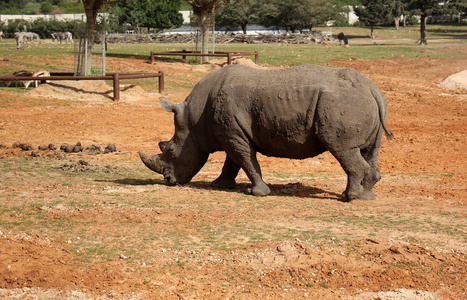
382 108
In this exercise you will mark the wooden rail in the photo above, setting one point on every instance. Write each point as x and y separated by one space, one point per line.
115 77
185 53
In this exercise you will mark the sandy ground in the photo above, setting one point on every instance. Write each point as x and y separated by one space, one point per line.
425 174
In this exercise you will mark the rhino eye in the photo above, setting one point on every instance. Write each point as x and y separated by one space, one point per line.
163 146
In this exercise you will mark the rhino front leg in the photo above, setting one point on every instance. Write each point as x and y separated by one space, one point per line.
227 178
253 171
241 153
356 168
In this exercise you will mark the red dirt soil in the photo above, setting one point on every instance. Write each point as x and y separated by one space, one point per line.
430 128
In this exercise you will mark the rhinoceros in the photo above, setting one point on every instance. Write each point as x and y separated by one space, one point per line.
296 113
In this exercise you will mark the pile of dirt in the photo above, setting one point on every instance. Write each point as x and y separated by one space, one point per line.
215 64
456 81
89 90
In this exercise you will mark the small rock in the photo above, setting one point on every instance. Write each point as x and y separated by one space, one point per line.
93 149
52 147
77 148
63 146
110 148
15 145
26 147
43 147
69 148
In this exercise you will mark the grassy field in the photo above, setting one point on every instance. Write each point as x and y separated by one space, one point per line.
388 43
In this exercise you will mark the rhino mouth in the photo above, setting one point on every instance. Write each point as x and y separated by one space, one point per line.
170 179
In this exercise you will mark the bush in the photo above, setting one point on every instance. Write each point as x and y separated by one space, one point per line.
43 27
71 7
46 7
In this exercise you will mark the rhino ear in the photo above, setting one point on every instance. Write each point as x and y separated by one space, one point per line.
167 105
177 109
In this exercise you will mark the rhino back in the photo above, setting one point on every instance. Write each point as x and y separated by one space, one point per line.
275 109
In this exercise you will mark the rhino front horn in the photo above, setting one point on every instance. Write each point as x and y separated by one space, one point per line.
150 161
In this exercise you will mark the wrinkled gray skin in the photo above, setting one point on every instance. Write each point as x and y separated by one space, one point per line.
295 113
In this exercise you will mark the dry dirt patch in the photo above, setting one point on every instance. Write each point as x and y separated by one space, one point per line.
198 243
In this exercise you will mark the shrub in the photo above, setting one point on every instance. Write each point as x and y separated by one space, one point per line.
43 27
46 7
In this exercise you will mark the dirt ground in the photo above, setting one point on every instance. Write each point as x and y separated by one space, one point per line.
424 189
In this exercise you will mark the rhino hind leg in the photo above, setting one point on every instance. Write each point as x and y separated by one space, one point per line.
227 178
357 169
373 176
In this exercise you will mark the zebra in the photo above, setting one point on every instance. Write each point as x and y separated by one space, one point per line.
59 36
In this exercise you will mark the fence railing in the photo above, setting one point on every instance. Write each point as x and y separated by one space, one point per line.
185 53
115 77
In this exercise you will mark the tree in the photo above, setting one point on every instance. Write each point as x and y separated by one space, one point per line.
205 11
161 14
91 9
46 7
400 12
426 8
135 14
158 14
12 6
233 15
319 12
299 15
375 12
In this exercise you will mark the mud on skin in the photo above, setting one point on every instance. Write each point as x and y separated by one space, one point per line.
295 113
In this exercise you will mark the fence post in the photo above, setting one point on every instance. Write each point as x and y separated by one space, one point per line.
229 58
256 57
152 57
116 80
161 83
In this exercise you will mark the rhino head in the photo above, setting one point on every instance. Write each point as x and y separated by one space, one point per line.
181 158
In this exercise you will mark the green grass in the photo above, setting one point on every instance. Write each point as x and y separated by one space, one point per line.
388 44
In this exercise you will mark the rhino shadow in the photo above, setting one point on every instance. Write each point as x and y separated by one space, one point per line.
289 189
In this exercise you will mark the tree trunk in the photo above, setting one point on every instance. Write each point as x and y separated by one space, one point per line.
423 30
91 16
205 20
372 34
396 22
244 28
